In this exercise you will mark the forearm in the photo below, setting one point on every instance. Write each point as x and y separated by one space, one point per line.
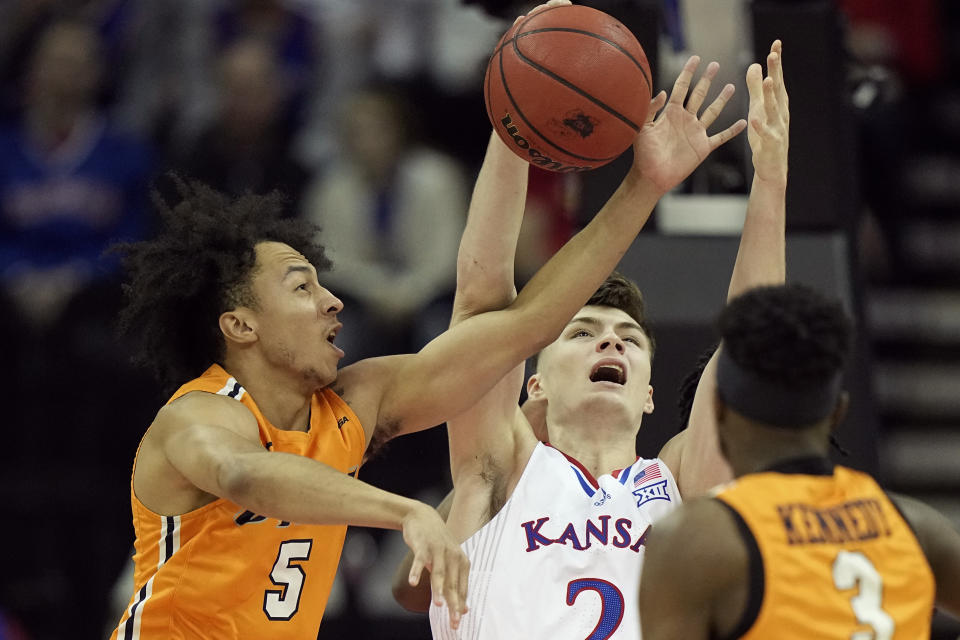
572 275
696 460
496 342
297 489
485 262
761 258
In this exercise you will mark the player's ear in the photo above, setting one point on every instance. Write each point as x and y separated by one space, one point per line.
535 390
839 411
648 405
238 326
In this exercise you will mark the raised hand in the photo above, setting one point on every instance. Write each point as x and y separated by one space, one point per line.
435 548
673 142
769 118
540 7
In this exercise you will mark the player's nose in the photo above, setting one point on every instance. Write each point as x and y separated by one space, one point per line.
330 304
611 342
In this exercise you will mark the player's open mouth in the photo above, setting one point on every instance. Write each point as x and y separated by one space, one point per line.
608 372
333 333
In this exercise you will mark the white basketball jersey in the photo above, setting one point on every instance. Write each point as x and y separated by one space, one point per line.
562 558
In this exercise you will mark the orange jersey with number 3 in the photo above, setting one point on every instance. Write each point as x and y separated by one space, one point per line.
837 559
221 571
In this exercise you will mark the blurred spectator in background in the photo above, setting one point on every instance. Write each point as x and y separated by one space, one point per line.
900 72
140 42
392 212
69 187
437 48
214 26
549 219
247 146
288 32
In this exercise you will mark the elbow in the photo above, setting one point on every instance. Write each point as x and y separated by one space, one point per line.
234 479
479 290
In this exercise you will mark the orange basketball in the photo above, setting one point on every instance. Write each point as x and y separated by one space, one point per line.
568 88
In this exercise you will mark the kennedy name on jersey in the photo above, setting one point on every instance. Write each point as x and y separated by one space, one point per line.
624 537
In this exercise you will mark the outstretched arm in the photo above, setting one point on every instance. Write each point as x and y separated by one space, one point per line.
461 365
485 278
694 454
204 445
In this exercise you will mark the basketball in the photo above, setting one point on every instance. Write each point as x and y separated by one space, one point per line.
568 88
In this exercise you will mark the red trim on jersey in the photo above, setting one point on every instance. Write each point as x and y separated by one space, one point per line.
586 473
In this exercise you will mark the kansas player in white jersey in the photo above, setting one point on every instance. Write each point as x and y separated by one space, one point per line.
527 512
576 538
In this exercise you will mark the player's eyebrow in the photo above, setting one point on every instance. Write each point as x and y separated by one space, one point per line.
298 268
595 322
585 320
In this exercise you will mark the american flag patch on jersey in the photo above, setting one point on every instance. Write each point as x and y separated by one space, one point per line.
648 473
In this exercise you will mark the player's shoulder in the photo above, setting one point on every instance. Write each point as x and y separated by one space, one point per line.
695 518
706 530
362 384
199 407
929 525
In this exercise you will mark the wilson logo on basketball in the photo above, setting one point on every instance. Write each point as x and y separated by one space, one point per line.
536 157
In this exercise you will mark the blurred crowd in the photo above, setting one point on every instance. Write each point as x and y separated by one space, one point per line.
367 114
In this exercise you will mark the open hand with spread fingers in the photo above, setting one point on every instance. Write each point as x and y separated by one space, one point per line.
674 140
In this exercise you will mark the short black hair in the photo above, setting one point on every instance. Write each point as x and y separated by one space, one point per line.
197 267
788 334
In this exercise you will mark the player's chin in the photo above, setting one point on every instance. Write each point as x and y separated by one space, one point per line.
320 375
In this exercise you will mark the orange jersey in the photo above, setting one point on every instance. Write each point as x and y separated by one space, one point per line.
221 571
836 558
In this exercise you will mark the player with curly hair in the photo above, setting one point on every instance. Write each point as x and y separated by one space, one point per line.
245 482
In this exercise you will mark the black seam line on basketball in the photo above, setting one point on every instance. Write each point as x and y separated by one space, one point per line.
529 124
613 44
486 84
550 74
519 112
520 26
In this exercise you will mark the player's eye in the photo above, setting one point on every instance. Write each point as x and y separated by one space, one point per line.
305 287
581 333
635 341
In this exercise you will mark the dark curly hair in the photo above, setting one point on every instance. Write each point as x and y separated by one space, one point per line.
688 387
789 334
197 267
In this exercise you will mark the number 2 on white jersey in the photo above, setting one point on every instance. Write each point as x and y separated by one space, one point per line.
853 569
611 601
283 603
